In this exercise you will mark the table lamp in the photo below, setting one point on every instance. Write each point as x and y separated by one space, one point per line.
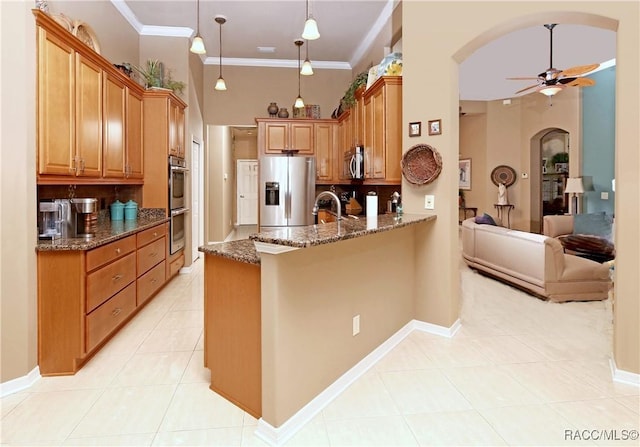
574 186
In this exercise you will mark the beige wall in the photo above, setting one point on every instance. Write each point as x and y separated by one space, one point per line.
218 193
251 89
104 19
18 334
431 94
502 135
305 362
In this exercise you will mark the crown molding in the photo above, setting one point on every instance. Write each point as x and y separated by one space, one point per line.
275 63
374 32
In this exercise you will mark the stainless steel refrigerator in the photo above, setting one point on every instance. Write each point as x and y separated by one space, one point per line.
287 191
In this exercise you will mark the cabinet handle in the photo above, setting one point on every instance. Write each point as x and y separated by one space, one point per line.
116 312
153 255
117 251
117 277
73 165
154 280
155 234
82 165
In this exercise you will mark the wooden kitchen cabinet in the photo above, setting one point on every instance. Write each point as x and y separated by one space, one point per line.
163 132
134 155
82 120
115 98
278 136
176 128
382 131
325 136
84 297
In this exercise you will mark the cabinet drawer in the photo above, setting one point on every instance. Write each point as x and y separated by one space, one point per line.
150 235
107 253
102 321
150 282
150 255
109 280
176 265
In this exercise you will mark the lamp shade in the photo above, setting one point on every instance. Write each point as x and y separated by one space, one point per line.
310 31
220 84
574 186
550 90
197 46
299 103
307 69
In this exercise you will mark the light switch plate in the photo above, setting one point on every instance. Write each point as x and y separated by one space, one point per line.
604 195
429 202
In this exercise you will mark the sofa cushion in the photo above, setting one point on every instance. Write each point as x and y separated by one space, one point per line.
485 219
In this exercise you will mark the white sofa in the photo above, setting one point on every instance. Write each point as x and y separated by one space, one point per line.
533 262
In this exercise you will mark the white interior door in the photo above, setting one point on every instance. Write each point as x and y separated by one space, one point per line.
247 192
197 192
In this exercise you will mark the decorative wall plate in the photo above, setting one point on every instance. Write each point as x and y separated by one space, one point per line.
421 164
84 32
503 174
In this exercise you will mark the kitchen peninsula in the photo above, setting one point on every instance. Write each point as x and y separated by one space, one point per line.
291 310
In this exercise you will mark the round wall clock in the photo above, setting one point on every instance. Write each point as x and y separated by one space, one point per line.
503 174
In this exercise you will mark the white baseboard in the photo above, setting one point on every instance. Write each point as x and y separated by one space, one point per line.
185 270
620 376
19 383
277 436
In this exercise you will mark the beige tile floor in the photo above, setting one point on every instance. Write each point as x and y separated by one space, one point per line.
520 372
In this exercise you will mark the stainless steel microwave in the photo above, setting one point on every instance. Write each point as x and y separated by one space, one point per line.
353 167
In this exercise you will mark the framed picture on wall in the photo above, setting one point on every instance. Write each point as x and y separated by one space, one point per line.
464 171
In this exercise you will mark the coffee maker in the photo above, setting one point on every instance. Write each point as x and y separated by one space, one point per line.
68 218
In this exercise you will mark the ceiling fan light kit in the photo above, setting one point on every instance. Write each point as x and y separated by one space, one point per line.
197 46
553 81
220 84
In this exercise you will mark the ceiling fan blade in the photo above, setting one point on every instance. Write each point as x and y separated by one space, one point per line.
566 80
527 88
578 70
581 82
530 78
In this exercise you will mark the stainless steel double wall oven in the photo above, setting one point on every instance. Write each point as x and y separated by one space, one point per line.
177 201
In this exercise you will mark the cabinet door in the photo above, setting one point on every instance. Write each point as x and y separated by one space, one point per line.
180 131
377 135
176 130
301 135
276 137
114 131
134 159
88 117
324 137
56 105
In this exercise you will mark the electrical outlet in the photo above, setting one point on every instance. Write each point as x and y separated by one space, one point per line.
604 195
429 202
356 325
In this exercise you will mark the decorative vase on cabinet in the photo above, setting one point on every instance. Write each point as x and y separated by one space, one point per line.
283 113
273 110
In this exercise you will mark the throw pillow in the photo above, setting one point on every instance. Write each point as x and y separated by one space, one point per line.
485 219
597 224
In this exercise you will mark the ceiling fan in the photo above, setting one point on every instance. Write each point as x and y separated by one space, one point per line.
553 80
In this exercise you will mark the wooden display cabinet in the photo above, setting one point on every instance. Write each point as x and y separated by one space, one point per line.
276 137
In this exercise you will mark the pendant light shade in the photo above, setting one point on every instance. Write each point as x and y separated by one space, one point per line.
550 90
299 102
197 46
220 84
307 69
310 31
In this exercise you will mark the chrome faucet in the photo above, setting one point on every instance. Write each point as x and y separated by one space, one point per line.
333 197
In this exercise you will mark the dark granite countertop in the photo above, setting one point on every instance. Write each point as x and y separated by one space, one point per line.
243 250
108 231
347 228
300 237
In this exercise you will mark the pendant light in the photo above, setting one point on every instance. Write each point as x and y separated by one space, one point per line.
299 102
310 31
220 84
197 46
307 69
